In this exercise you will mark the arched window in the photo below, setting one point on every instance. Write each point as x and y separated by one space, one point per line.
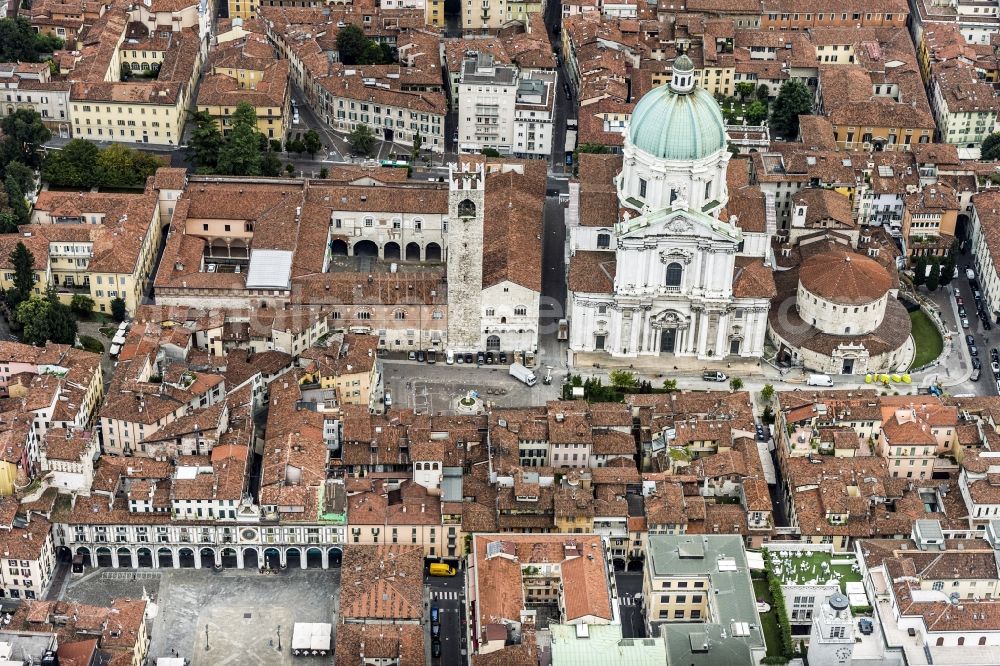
466 208
520 310
938 585
674 274
493 342
399 315
135 67
603 241
940 641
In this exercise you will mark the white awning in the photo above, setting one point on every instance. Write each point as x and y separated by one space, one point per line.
755 560
269 269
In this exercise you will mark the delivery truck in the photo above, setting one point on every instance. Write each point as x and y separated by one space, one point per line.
518 371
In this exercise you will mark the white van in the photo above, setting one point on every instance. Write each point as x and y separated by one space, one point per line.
450 357
819 380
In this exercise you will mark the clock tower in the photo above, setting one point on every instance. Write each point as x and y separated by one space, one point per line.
831 642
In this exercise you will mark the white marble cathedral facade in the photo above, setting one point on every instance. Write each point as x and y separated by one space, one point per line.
668 277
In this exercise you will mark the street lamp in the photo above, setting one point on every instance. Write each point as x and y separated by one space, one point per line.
206 638
279 638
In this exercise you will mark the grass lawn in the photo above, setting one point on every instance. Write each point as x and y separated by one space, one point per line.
804 568
926 338
108 331
768 620
92 344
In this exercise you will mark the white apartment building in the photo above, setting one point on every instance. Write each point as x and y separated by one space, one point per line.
487 96
30 86
965 106
534 111
67 455
501 108
27 552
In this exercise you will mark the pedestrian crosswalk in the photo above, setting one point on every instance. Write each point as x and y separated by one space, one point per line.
628 600
444 594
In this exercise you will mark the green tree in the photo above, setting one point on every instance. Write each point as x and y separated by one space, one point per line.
990 150
24 176
351 44
489 152
744 89
241 154
16 201
8 221
735 383
121 166
73 166
597 148
794 99
295 146
290 169
934 278
324 173
23 262
274 145
670 385
920 271
763 92
124 72
947 270
82 305
767 392
362 140
418 143
622 379
371 55
206 141
756 113
20 42
118 309
24 128
45 319
270 165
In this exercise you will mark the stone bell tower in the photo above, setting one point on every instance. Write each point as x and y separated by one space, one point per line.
466 198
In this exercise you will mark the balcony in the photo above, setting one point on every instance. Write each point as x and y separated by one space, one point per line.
72 288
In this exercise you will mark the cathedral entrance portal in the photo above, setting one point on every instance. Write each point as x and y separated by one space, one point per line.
668 340
848 366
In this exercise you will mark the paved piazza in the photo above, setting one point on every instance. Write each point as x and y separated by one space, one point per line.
242 610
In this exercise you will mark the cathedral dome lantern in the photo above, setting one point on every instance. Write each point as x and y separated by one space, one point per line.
675 150
679 121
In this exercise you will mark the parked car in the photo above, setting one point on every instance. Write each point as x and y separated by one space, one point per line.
995 354
436 648
489 358
974 350
961 311
866 626
421 357
965 323
435 614
995 367
503 357
976 364
959 300
412 356
388 400
469 358
435 630
714 376
969 340
480 358
459 358
970 274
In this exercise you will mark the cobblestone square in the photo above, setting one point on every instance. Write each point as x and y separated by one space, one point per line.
242 610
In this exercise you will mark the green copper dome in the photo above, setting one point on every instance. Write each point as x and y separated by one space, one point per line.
679 121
